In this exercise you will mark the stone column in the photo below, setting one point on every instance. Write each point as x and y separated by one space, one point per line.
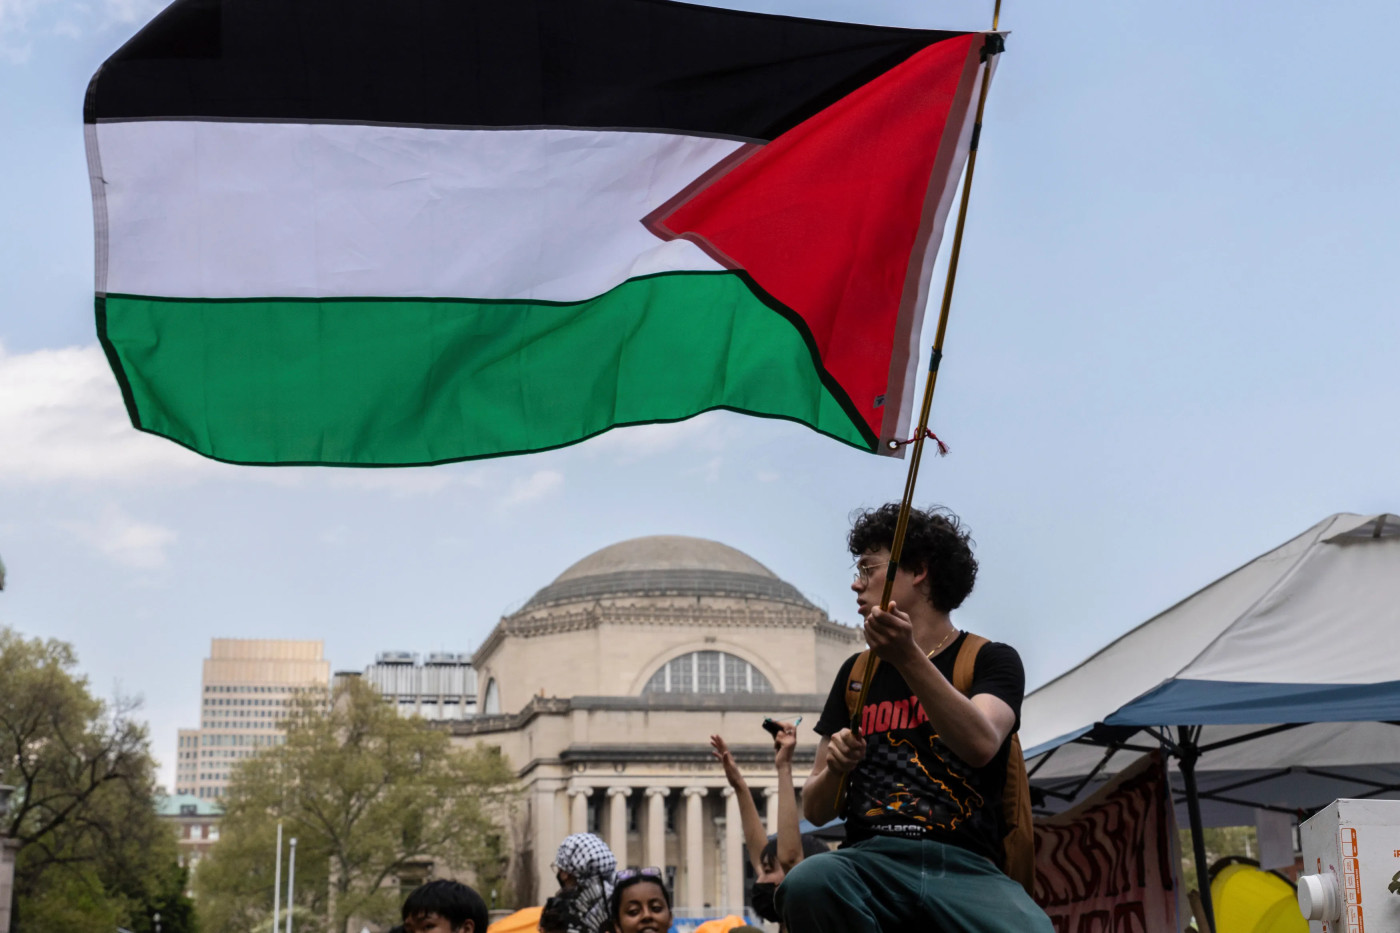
617 823
8 849
655 848
770 809
694 848
733 895
547 822
578 808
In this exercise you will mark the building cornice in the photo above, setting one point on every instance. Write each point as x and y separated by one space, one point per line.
541 622
676 753
580 759
705 702
766 703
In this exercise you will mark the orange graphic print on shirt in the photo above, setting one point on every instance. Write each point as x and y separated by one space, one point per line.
918 782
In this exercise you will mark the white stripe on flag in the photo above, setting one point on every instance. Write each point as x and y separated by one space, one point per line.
228 210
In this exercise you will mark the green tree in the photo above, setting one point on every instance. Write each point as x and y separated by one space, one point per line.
93 854
1220 841
375 801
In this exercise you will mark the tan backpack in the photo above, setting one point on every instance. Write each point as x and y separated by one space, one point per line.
1019 841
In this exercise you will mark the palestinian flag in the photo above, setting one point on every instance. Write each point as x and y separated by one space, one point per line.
390 232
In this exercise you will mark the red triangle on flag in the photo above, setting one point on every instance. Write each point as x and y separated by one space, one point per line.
836 218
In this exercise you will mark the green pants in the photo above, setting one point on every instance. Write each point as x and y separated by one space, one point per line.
890 885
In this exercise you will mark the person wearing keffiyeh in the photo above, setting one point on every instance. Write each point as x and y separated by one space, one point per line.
586 869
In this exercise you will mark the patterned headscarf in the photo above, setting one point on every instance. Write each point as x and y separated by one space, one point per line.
594 866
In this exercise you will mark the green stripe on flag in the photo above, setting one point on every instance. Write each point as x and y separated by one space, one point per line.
383 382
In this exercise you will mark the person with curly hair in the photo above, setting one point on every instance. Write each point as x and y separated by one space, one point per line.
926 764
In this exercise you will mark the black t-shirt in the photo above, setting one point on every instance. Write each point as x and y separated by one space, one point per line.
911 784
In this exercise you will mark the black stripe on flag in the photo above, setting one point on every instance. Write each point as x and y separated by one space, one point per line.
617 64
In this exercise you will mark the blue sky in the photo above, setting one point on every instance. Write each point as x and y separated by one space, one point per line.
1173 346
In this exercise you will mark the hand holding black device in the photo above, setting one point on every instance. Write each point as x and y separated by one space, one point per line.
774 727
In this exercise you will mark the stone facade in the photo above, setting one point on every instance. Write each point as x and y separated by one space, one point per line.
195 822
603 690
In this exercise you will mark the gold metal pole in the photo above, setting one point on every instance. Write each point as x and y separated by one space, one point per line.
907 500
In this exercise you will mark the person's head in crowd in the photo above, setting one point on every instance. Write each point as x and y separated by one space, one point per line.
554 916
444 907
936 541
640 903
772 874
584 867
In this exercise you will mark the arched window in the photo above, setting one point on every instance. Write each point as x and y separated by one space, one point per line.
708 672
492 705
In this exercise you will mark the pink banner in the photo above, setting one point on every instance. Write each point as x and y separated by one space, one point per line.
1106 866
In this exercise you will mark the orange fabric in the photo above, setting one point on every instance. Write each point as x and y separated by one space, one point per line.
526 920
716 926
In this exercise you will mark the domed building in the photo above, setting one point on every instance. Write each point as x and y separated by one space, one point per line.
604 688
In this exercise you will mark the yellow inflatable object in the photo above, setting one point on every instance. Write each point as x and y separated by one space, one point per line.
1248 900
526 920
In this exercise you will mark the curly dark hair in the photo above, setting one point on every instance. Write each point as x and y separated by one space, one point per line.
935 539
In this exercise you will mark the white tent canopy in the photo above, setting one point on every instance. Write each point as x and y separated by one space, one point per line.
1242 769
1272 688
1309 632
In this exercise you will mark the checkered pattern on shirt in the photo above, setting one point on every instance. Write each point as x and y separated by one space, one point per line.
909 786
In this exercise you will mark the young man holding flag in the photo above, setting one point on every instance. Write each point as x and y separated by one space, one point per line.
926 770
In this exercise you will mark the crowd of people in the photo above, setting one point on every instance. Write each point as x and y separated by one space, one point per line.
921 762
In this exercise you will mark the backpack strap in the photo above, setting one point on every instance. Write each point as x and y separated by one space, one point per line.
853 684
966 662
1018 845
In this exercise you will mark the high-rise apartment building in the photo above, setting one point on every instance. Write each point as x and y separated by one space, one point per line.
249 685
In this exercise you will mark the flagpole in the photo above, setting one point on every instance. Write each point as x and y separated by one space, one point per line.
277 880
916 455
291 882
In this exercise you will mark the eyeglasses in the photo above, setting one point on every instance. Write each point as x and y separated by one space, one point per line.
864 572
652 872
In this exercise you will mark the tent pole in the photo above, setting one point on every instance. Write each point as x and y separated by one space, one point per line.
1187 753
906 502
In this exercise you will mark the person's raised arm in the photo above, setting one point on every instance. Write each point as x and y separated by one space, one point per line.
837 756
755 836
789 826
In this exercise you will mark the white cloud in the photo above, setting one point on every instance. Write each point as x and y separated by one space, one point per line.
403 482
711 431
21 19
339 536
15 17
710 470
537 485
130 11
62 418
125 540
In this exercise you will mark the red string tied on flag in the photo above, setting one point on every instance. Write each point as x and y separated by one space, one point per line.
928 432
